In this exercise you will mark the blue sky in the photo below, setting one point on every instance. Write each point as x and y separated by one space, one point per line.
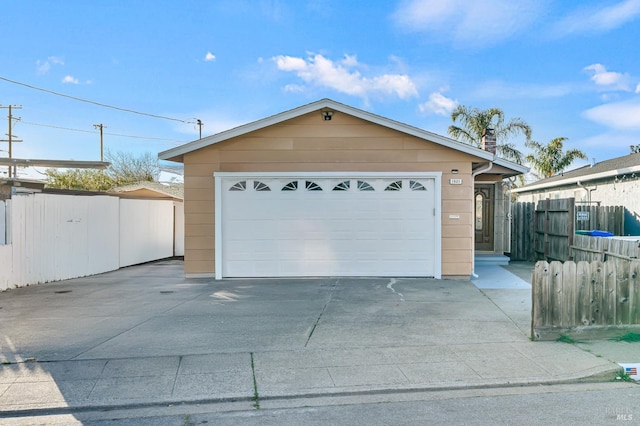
568 68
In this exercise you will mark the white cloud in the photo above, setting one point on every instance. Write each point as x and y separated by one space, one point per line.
610 79
43 67
502 90
344 77
624 115
294 88
599 19
70 79
467 23
638 88
209 57
438 104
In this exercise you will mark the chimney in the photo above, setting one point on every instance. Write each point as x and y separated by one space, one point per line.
489 140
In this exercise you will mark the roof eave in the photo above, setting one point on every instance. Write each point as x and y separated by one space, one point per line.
177 153
575 180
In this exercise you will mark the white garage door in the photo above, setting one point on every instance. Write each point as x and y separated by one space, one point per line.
316 225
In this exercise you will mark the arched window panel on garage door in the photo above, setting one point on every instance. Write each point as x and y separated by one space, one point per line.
394 186
239 186
364 186
312 186
291 186
260 186
342 186
416 186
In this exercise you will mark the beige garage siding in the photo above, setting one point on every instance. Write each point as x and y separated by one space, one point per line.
309 144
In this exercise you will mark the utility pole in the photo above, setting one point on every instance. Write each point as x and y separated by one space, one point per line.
199 123
10 134
100 126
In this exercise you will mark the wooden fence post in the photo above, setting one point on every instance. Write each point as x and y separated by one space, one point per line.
539 301
555 296
634 293
596 290
609 294
569 295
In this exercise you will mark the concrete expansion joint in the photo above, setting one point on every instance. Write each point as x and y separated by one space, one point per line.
324 308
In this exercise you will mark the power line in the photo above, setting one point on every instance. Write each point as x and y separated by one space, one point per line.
95 103
93 132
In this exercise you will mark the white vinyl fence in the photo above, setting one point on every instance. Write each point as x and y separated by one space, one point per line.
50 237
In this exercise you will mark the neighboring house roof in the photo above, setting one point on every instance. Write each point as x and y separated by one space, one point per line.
626 164
176 154
174 191
63 164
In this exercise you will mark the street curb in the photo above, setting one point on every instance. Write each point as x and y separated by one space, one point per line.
606 375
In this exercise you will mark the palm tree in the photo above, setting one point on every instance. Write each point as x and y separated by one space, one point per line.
473 123
549 159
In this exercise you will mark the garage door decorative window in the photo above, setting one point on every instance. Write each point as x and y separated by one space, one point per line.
291 186
239 186
416 186
394 186
259 186
312 186
364 186
342 186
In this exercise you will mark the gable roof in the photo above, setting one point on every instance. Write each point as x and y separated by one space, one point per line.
174 191
602 170
177 153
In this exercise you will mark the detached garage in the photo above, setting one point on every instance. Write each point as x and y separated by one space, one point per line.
330 190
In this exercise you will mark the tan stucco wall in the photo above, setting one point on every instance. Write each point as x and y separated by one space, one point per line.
310 144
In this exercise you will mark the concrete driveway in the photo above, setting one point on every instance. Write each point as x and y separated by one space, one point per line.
151 310
146 335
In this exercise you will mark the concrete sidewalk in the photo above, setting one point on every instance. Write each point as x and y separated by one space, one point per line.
145 335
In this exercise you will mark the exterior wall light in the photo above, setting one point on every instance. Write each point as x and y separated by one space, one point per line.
327 115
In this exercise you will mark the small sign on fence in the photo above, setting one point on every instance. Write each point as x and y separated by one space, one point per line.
582 215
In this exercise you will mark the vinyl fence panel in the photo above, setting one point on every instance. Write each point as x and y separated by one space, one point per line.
3 223
6 267
54 237
146 230
178 249
57 237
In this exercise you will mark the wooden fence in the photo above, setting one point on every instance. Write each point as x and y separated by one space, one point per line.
546 231
585 299
554 222
619 249
604 218
522 231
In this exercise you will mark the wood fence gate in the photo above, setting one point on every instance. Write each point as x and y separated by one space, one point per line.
546 231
